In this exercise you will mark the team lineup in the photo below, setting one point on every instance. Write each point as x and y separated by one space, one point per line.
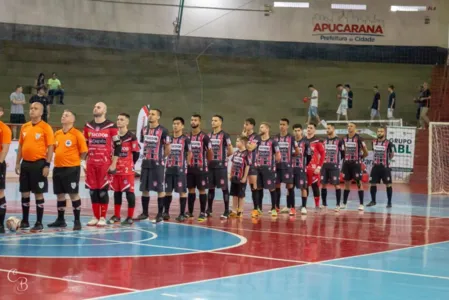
183 163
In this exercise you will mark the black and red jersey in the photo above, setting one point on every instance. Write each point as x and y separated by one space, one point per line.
300 161
219 142
100 138
382 151
200 144
354 148
240 160
154 140
177 160
287 148
334 148
254 138
125 163
265 154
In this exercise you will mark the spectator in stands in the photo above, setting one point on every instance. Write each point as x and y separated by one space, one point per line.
350 95
39 82
425 104
55 89
40 97
17 116
375 107
391 102
418 104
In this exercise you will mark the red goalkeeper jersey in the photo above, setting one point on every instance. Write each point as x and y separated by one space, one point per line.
100 141
318 153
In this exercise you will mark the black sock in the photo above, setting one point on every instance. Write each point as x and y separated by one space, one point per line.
25 209
278 197
226 199
160 205
273 199
210 199
260 199
40 210
361 193
291 198
389 194
203 203
76 204
255 196
167 203
145 204
338 195
183 202
345 196
2 211
191 202
324 196
373 191
61 205
303 201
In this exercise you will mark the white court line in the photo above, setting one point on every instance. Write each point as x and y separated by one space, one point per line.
71 280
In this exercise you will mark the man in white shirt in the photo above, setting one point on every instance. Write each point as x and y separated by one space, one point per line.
343 96
313 107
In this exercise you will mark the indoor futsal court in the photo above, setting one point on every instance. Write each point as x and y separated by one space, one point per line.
377 254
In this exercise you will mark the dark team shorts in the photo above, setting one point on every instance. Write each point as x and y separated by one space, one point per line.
97 177
152 179
176 182
66 180
330 175
122 183
17 119
284 176
2 175
218 178
300 179
252 171
378 173
352 170
266 178
238 189
31 178
197 180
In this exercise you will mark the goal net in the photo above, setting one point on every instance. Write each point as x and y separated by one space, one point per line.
438 167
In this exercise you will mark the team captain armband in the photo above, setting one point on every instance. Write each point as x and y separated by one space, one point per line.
117 145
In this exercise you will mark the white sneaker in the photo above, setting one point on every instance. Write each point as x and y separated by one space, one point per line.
92 222
101 222
303 211
337 208
343 206
361 207
285 210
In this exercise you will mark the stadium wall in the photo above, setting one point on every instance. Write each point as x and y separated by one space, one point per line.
234 28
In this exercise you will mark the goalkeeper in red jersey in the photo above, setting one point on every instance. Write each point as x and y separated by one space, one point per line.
314 167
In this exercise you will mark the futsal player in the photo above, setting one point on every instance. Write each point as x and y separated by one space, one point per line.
218 165
240 163
104 147
5 142
34 155
197 170
343 97
251 146
70 149
284 170
300 163
316 163
355 151
156 147
267 155
122 181
330 173
383 153
176 169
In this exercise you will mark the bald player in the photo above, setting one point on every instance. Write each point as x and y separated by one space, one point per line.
34 155
104 147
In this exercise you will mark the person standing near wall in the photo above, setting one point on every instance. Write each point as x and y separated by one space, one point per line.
391 102
17 116
375 107
350 95
343 97
425 104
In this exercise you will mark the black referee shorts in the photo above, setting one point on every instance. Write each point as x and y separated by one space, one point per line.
31 178
66 180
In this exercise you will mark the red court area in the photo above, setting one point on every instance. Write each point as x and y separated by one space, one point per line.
270 243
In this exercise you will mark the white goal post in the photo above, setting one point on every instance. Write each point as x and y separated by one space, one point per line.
438 161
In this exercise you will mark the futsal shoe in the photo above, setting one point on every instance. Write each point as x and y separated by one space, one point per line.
202 217
165 216
255 213
303 211
114 220
101 222
274 213
389 205
337 208
189 216
2 229
292 211
361 207
225 215
159 219
233 214
240 214
77 225
37 227
372 203
24 225
343 206
285 210
128 222
58 223
209 213
141 217
180 218
92 222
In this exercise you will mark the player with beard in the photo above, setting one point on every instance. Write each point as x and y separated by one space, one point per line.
383 153
251 146
330 173
300 163
284 170
267 155
175 174
218 165
197 170
156 147
355 151
316 163
104 148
